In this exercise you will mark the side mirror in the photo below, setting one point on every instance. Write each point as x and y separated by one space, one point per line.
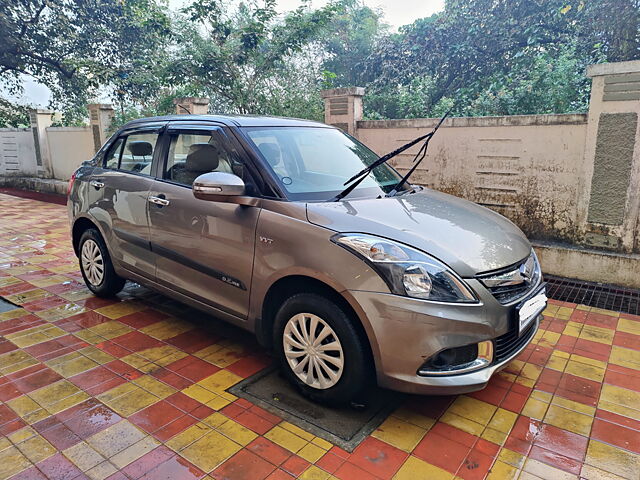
218 186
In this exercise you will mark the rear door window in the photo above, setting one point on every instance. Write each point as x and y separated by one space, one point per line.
132 153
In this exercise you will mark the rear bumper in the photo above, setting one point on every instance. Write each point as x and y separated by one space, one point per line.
405 332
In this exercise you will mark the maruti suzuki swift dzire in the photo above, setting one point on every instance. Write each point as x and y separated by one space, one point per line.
301 234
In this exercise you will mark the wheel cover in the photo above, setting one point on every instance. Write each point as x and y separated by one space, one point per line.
313 351
92 262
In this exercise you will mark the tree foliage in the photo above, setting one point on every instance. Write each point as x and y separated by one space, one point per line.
476 57
76 47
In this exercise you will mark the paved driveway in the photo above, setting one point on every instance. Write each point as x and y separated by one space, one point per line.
94 388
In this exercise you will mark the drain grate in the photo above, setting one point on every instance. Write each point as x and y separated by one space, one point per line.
609 297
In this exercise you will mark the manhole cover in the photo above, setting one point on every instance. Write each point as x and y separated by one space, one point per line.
5 306
345 427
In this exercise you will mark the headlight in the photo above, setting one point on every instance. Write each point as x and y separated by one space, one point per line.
406 270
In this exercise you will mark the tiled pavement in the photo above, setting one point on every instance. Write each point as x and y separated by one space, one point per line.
92 388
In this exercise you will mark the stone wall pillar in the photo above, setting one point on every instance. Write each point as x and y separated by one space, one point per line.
611 178
100 118
40 119
191 105
343 108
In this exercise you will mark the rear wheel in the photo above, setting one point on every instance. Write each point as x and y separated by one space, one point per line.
96 267
320 350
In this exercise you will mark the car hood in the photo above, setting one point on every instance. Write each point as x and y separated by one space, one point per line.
469 238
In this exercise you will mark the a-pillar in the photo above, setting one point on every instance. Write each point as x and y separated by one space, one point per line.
343 108
100 118
611 189
191 105
40 120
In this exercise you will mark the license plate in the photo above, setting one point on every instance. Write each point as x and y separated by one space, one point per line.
531 309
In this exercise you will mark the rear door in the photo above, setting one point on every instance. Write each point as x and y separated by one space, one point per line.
203 249
125 181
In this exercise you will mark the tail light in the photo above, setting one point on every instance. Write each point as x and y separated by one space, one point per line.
71 180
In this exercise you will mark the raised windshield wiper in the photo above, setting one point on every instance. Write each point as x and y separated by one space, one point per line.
354 181
418 158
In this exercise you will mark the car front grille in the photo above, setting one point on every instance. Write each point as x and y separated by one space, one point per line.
513 283
509 343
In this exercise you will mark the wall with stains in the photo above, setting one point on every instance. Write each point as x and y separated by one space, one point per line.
525 167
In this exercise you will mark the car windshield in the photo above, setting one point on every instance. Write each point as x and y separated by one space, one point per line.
313 163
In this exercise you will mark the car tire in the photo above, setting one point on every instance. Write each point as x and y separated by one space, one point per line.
349 356
96 266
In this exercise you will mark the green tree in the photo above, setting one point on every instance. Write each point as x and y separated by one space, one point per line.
76 47
351 38
249 61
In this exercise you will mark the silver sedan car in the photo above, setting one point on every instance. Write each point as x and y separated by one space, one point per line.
248 219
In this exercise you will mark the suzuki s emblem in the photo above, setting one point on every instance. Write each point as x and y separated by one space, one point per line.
266 240
524 271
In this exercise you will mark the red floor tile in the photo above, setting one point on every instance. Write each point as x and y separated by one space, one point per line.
349 471
555 460
174 468
244 465
380 457
268 450
441 451
175 427
254 422
617 435
148 462
193 340
59 467
475 466
330 462
92 421
156 416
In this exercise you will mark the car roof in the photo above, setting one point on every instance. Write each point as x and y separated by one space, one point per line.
230 121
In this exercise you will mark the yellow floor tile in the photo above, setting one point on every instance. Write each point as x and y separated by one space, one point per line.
132 402
36 449
15 361
60 312
597 334
220 381
612 459
188 436
101 471
414 469
237 432
83 456
210 451
494 436
575 406
311 453
168 328
620 396
585 371
135 451
54 393
120 309
628 326
402 435
544 471
314 473
414 418
472 409
115 439
502 471
12 461
71 364
568 420
464 424
625 357
286 439
154 386
503 420
511 458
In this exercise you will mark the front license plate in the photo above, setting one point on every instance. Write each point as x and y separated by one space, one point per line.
530 309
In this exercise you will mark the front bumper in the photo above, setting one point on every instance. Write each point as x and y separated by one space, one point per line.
404 332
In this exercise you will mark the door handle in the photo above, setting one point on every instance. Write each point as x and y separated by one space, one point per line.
96 184
159 200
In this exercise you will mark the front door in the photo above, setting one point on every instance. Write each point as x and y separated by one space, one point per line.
125 181
203 249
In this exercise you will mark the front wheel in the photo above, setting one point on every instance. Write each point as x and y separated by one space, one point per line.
96 267
320 350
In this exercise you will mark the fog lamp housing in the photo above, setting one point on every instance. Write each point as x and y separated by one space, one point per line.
458 360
